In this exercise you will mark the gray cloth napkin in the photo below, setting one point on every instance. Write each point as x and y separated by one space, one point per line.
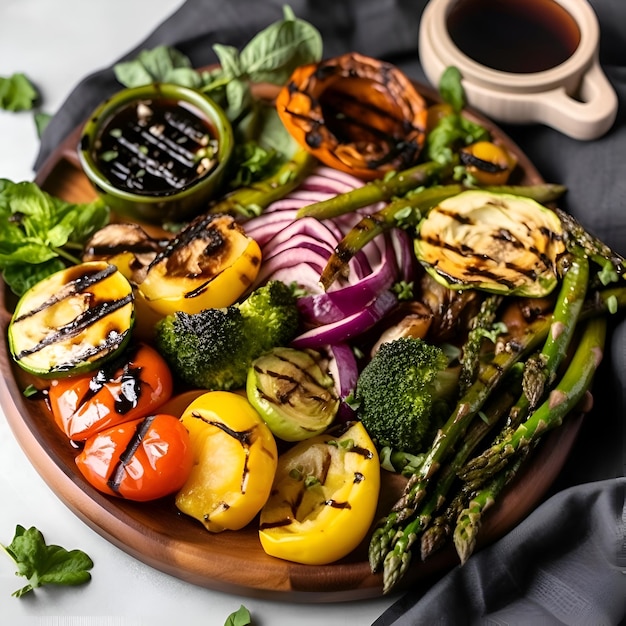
566 562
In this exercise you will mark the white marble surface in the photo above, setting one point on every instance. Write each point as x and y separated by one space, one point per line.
55 43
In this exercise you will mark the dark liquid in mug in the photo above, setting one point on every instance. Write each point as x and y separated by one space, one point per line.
518 36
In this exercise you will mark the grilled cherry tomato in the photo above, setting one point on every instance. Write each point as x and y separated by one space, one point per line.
324 498
133 385
141 460
235 459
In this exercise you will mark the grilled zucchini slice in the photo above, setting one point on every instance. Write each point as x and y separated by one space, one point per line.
72 321
495 242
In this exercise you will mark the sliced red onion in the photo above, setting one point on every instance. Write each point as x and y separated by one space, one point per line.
351 326
309 226
345 373
405 257
289 202
291 257
318 182
341 177
331 306
303 275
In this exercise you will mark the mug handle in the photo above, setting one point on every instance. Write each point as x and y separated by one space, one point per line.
587 118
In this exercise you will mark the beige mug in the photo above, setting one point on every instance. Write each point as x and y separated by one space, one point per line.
573 96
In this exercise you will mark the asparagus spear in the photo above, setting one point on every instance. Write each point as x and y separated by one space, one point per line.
594 248
251 200
481 323
567 394
405 212
539 370
382 189
469 519
563 399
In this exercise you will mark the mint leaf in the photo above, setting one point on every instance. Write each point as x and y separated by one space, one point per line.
241 617
43 564
17 93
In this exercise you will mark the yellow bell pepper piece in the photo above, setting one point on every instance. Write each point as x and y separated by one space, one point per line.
324 498
235 460
207 268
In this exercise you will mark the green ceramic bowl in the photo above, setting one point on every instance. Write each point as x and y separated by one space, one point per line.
157 153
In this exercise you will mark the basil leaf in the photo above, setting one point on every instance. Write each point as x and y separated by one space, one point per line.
85 219
239 99
36 229
274 53
155 65
41 122
452 132
228 57
17 93
20 277
451 88
184 76
43 564
241 617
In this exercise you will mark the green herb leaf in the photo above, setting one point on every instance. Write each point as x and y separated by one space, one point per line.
452 132
17 93
275 52
228 57
43 564
38 232
161 64
241 617
451 89
41 122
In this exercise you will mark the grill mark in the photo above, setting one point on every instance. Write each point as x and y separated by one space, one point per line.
245 437
79 324
115 480
297 383
78 285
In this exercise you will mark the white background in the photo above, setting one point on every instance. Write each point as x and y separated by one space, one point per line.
56 43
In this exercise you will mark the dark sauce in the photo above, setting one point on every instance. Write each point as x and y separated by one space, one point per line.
156 147
518 36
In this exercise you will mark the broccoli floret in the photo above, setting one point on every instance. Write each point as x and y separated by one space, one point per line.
403 393
214 348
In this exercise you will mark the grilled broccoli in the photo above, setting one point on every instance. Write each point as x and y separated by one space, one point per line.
403 393
214 348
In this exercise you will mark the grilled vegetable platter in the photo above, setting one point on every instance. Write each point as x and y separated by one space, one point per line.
367 357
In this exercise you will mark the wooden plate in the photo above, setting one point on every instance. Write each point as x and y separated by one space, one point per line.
161 537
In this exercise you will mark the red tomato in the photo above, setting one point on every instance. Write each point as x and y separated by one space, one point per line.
133 386
141 460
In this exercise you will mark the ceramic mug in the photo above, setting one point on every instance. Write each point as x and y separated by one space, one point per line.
573 96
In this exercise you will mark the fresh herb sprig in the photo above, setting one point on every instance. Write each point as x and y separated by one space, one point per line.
43 564
40 234
455 129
